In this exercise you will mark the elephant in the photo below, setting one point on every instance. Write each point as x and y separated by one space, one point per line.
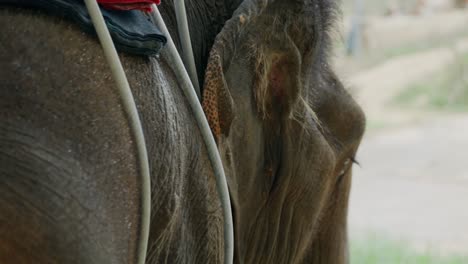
286 129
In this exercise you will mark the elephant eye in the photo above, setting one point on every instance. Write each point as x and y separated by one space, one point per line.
346 167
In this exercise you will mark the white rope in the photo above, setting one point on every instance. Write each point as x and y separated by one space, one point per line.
187 51
131 110
221 183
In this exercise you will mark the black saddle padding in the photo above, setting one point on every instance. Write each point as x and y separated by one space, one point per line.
131 31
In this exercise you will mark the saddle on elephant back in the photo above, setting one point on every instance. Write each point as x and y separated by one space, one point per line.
130 28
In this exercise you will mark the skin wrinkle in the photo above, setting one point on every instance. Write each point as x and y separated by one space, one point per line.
279 224
36 205
166 236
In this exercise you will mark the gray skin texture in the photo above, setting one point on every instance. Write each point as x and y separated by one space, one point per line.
69 179
69 190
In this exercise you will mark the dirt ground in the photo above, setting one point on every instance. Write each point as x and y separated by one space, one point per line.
413 181
413 185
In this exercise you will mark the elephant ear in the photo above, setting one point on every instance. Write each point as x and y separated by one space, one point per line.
217 101
276 84
273 40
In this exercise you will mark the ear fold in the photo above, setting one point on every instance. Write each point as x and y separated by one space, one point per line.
217 101
277 82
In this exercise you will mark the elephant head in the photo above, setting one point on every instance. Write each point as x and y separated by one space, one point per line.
286 129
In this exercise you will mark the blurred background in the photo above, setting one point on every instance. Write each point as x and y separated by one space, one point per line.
406 63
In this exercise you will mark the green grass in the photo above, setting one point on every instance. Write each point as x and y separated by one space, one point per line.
447 90
381 251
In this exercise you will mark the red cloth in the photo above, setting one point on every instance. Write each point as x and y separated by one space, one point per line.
143 5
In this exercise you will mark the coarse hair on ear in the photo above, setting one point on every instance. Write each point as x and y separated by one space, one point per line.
277 82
